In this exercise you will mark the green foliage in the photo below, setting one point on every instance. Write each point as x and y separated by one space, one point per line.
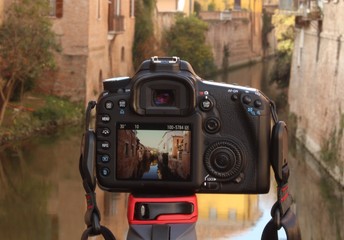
48 114
211 6
225 59
27 42
57 109
186 39
144 41
281 71
27 46
267 28
34 222
331 147
197 8
284 31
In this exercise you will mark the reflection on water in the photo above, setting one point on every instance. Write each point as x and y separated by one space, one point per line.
42 197
226 215
219 216
41 190
319 200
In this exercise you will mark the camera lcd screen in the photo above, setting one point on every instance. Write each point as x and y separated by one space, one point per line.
154 152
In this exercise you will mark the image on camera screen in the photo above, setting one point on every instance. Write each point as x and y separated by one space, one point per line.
155 152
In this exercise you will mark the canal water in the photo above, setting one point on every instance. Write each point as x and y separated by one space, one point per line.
41 194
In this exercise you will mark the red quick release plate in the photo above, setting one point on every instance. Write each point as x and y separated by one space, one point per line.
162 210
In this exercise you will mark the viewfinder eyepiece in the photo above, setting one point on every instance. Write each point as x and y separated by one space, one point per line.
163 97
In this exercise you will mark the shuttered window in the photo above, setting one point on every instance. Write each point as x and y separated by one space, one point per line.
59 8
56 8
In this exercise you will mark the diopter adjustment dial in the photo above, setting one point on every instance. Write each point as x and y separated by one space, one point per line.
224 160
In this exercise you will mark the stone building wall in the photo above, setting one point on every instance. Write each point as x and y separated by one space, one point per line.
72 77
121 45
91 52
2 10
316 91
97 48
242 37
242 34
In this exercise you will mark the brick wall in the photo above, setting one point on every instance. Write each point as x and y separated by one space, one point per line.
1 11
316 92
242 36
90 53
68 80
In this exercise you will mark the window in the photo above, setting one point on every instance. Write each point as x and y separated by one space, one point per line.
117 7
100 80
122 54
237 4
132 8
132 150
56 8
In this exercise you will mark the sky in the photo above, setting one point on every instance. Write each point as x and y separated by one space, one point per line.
150 138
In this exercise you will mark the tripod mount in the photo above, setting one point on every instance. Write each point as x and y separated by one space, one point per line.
162 217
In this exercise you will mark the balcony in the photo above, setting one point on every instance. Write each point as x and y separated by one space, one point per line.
304 10
116 25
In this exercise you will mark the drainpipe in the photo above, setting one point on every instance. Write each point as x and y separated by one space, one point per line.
302 39
339 45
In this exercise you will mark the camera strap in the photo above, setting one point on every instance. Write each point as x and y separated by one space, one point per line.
282 215
86 168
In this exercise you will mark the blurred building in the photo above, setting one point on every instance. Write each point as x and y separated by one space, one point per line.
235 31
1 10
127 153
182 6
318 69
225 214
96 38
176 144
222 5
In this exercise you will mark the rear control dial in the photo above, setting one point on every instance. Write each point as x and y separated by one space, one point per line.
224 160
212 125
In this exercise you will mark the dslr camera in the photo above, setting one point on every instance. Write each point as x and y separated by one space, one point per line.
165 130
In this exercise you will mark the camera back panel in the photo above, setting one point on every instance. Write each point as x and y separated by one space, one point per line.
167 131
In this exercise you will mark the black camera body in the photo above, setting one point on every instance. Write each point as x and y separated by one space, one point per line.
167 131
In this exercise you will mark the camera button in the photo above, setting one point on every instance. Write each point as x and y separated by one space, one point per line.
122 103
108 105
105 132
212 125
235 97
247 99
105 118
105 145
105 158
206 104
257 103
105 172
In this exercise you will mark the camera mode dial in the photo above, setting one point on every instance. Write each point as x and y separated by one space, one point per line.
224 160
